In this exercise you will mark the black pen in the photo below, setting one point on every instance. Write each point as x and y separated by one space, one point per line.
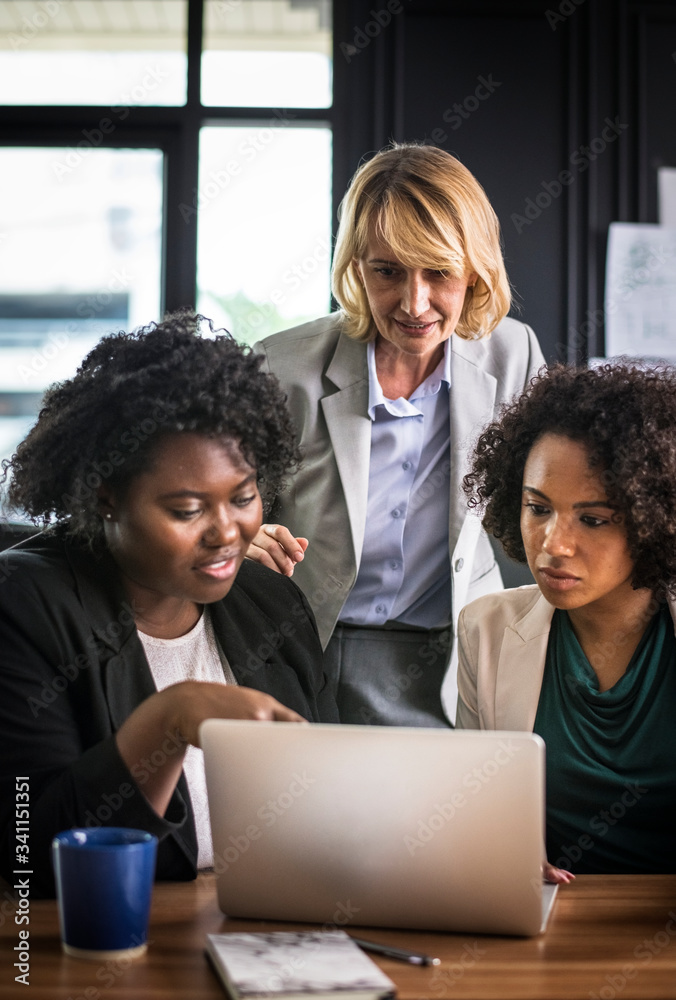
402 954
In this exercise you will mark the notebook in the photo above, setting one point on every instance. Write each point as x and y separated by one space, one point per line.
292 965
379 826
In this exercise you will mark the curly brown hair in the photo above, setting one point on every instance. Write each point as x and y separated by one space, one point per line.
626 417
130 391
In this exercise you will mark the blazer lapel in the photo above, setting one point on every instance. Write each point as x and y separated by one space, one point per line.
521 667
349 427
127 680
125 673
250 640
472 398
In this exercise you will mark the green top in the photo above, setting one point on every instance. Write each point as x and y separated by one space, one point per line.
611 755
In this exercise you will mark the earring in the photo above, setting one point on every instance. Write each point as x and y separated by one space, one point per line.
108 517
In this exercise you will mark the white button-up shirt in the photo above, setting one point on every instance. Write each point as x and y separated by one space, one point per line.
404 574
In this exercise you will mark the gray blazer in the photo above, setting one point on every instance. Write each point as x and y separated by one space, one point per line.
324 374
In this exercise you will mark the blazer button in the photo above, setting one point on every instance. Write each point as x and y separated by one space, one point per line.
459 563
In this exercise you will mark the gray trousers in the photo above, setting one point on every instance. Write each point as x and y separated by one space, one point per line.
388 676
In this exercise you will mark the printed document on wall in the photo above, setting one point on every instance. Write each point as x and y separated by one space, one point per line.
640 301
666 196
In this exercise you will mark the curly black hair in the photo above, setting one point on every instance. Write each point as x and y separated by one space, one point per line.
626 417
130 391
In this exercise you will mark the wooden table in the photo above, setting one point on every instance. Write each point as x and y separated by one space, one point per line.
609 937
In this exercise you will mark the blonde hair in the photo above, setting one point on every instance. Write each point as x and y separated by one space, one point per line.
433 213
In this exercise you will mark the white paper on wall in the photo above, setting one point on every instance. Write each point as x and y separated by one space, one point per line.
666 196
640 302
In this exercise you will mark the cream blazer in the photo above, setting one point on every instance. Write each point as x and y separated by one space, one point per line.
325 376
502 646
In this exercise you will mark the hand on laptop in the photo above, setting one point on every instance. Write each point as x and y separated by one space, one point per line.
558 875
169 720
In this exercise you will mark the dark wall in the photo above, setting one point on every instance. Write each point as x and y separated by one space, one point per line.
563 111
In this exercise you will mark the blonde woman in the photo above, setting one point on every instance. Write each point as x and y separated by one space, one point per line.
387 396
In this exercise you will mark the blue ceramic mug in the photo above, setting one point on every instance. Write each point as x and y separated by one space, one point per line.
104 880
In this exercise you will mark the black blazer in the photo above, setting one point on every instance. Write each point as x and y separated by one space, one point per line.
72 669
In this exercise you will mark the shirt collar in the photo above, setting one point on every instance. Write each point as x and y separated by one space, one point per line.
403 407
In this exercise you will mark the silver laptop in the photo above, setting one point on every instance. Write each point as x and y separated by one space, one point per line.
376 825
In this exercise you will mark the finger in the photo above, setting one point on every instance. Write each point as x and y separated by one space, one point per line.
290 544
264 708
559 876
265 558
284 714
280 560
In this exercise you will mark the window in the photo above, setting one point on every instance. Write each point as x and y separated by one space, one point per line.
260 278
267 52
81 256
117 52
159 153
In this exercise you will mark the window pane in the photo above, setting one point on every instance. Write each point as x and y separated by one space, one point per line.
267 53
80 256
264 227
121 53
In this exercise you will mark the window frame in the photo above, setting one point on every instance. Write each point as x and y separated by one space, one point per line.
175 130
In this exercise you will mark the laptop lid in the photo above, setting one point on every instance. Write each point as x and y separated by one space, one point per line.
377 825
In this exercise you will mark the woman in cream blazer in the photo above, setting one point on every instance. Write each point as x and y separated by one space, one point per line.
578 478
502 641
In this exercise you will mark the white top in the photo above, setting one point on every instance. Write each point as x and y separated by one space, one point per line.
195 656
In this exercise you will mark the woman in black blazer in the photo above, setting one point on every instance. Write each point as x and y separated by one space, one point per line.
132 617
